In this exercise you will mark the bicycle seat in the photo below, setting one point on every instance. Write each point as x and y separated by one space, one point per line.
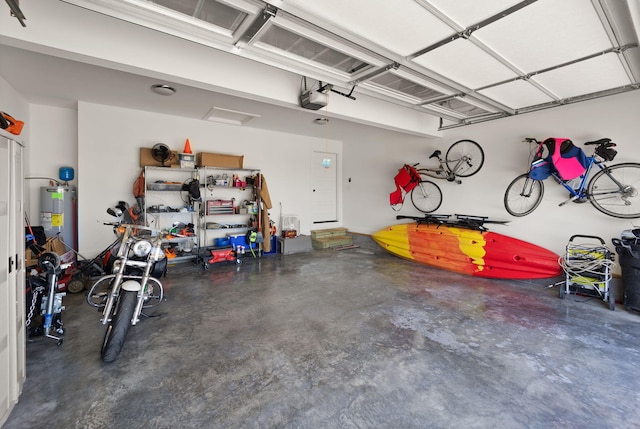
435 154
601 141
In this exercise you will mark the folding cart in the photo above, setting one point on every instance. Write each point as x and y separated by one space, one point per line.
587 264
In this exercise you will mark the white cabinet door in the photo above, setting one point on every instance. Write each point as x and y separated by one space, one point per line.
5 304
12 293
17 333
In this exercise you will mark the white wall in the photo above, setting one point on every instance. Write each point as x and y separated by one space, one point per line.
109 142
13 103
368 163
373 160
369 160
615 117
55 137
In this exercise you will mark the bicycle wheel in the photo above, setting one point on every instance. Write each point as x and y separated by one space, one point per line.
523 195
614 190
426 196
464 158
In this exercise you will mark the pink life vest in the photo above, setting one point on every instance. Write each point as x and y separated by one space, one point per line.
569 160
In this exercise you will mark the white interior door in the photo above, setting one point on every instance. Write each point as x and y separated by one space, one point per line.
324 187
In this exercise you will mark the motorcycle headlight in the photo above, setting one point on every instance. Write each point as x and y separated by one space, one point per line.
142 248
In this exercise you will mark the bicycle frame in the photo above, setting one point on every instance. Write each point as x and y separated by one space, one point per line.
464 158
580 192
442 171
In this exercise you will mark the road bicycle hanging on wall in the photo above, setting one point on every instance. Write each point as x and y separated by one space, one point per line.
464 158
611 189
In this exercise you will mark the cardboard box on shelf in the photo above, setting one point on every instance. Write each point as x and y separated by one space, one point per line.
146 159
206 159
54 244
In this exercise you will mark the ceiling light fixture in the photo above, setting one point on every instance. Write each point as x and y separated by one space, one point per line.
227 116
163 89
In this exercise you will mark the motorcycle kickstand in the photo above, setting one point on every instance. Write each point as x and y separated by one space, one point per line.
59 340
148 316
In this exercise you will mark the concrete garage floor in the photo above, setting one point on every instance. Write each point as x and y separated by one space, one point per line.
342 339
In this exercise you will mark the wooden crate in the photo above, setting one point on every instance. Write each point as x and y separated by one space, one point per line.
330 242
331 232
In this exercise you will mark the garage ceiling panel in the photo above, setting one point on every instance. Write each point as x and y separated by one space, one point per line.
597 74
213 12
497 55
295 44
400 26
460 108
465 13
395 83
551 32
517 94
464 62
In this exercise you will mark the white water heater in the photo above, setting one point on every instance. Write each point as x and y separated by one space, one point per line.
58 213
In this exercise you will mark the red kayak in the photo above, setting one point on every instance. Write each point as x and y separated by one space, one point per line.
469 251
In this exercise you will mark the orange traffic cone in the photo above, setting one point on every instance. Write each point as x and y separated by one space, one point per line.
187 147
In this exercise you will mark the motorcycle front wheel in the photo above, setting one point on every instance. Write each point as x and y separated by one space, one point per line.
119 326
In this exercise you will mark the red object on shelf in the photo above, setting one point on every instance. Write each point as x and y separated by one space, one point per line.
220 207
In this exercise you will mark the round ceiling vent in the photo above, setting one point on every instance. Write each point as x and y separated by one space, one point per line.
163 89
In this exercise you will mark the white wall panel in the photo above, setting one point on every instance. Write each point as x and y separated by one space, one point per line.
108 161
372 162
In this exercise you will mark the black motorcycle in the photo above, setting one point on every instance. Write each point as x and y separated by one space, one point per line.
131 287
